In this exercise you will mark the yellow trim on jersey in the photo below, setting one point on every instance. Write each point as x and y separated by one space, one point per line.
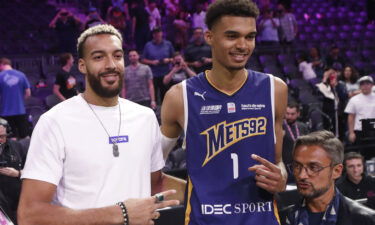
219 131
227 93
188 206
276 211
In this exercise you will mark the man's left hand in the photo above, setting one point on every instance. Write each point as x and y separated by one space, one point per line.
9 171
268 175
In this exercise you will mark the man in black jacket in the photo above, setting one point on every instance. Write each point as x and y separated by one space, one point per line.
11 163
355 184
317 163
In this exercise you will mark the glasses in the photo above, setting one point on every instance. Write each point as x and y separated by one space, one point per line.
310 169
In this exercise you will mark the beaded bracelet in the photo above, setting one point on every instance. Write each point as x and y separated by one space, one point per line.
124 212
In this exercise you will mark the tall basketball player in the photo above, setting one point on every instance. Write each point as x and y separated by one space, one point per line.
232 120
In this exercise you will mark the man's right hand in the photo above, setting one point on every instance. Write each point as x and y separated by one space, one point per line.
352 137
143 211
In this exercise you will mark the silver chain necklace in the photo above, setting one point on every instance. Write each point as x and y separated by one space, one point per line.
116 152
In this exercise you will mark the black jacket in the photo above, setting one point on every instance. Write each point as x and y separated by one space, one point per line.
350 213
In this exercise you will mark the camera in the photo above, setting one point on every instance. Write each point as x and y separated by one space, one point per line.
177 63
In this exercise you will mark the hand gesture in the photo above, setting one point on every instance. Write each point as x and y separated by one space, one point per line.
268 175
144 211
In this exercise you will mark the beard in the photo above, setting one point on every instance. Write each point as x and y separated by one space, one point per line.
105 92
315 193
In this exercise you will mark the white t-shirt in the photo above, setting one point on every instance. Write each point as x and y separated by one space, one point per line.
308 72
70 149
363 106
154 16
269 32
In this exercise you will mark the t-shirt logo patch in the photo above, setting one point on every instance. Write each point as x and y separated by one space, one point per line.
119 139
231 106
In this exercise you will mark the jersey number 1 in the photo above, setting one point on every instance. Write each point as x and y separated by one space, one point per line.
234 157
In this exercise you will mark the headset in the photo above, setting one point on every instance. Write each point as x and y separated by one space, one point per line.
5 124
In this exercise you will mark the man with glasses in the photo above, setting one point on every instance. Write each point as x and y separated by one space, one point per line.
317 163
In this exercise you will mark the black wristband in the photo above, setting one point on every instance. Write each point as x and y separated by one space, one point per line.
124 212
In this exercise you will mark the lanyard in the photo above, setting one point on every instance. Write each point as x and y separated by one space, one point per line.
290 130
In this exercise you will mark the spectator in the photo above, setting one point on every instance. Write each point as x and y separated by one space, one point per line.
198 52
179 72
139 86
181 26
153 11
349 78
67 27
66 83
12 159
317 62
14 89
305 67
334 97
117 18
334 57
317 163
198 17
361 106
355 183
140 25
268 29
288 25
158 54
293 129
93 18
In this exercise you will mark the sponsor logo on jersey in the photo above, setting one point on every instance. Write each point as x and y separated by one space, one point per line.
200 95
118 139
222 135
210 109
231 107
236 208
252 106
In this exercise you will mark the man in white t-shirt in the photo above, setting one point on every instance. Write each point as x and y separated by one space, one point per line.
361 106
92 157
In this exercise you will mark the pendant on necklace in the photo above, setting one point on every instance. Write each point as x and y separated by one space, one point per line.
116 153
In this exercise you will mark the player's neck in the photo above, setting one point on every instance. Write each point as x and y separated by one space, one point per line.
227 81
92 98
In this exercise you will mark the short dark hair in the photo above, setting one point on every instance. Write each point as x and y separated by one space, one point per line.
353 155
5 61
293 104
64 57
96 30
220 8
327 141
176 53
156 30
132 50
